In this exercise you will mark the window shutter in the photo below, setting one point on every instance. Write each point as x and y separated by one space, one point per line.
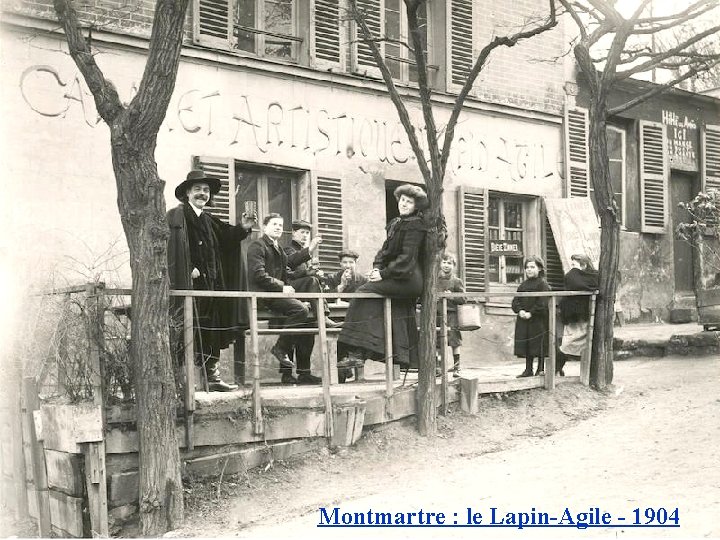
212 23
553 264
373 11
223 205
577 155
711 157
653 177
461 41
326 34
330 223
472 209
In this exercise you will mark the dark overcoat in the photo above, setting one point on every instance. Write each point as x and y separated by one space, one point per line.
400 262
574 309
217 313
531 335
267 266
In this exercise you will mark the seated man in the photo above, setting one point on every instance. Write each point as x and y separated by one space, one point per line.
347 279
268 271
304 274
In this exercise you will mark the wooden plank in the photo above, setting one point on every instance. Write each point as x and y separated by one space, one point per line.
349 420
124 488
189 369
255 356
469 395
66 513
96 484
322 346
587 354
443 357
64 472
66 427
19 464
42 502
510 385
389 389
552 343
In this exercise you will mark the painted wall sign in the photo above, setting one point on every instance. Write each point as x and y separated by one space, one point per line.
511 248
682 135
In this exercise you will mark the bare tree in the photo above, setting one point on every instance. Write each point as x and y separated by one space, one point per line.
433 166
612 48
141 203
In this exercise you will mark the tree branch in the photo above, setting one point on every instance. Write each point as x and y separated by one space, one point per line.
107 100
680 19
507 41
659 89
150 104
390 84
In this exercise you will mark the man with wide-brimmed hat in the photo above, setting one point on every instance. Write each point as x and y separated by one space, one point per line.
204 254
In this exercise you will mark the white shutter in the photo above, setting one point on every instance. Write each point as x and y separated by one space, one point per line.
326 34
330 222
577 156
653 177
363 60
472 226
460 51
213 23
223 204
711 157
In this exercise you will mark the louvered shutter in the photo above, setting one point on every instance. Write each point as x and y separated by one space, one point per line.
553 264
461 41
472 209
577 156
213 23
330 223
223 205
373 11
326 34
711 157
653 177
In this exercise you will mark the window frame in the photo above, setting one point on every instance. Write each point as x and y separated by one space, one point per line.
502 262
623 174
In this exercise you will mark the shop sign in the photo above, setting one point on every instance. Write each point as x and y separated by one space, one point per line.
682 136
510 248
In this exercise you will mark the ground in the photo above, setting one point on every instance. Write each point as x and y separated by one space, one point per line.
650 441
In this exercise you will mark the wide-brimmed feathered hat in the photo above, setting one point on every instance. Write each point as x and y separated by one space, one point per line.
416 192
196 176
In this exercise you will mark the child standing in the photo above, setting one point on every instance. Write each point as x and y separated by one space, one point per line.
531 325
449 282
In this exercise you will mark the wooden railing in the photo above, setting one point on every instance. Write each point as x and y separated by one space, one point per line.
329 364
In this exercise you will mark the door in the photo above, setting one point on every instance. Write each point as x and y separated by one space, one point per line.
683 190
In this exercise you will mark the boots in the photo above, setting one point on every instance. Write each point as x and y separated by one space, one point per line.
528 368
456 365
215 383
540 367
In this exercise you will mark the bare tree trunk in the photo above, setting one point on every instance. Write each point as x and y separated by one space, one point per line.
601 363
142 209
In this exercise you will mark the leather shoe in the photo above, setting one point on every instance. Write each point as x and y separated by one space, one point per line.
221 386
282 357
287 378
308 378
525 374
329 323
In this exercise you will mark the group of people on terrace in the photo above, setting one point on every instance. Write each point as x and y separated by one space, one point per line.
204 254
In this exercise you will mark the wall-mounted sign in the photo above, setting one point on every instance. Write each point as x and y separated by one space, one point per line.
682 135
511 248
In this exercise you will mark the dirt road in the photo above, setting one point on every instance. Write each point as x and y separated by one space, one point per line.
654 441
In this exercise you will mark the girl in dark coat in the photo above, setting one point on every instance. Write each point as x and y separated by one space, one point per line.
575 310
397 273
531 325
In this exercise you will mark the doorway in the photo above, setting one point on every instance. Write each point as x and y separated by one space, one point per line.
683 189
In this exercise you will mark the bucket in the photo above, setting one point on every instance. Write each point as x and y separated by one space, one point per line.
468 317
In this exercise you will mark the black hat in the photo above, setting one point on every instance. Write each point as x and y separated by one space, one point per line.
349 253
301 224
196 176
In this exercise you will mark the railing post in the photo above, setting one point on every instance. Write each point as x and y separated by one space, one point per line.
322 344
587 353
255 355
443 356
95 315
388 349
550 365
188 338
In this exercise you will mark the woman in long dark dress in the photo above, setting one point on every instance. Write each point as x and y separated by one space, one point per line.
531 325
397 273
